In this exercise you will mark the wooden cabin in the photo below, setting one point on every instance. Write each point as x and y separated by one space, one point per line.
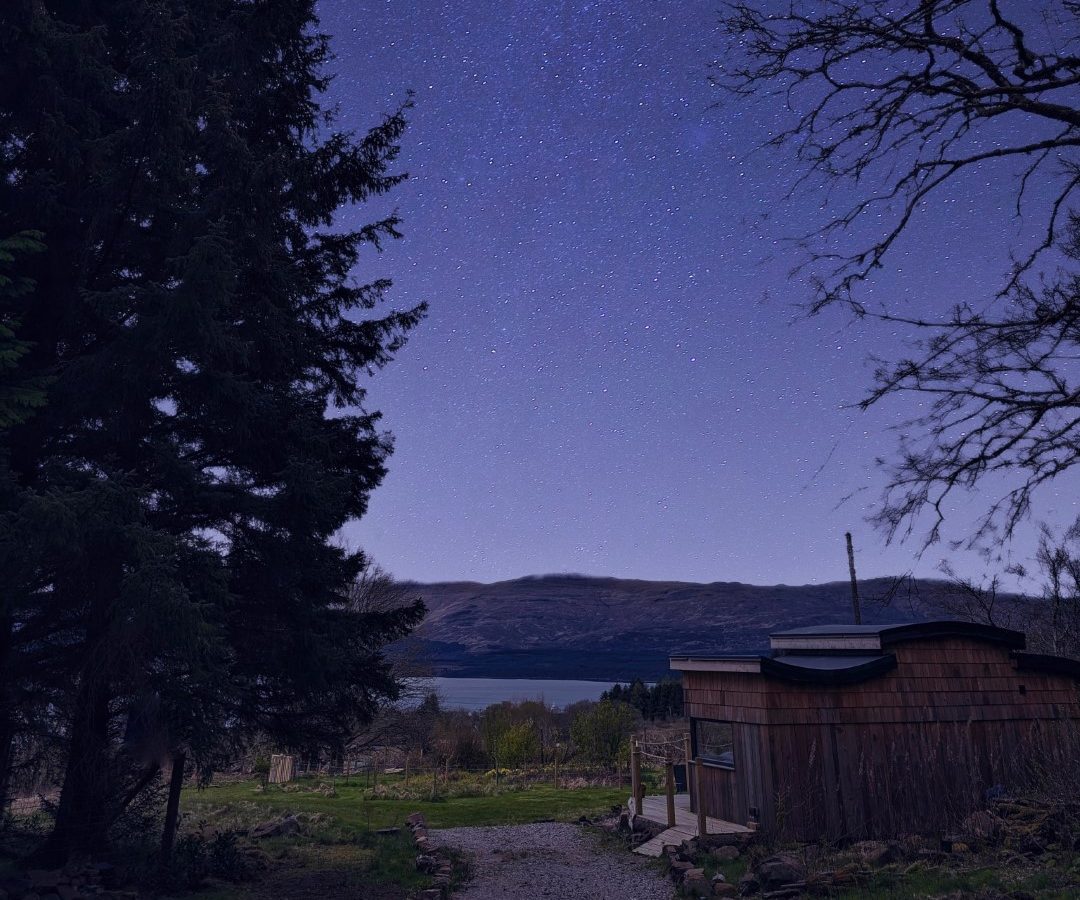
851 732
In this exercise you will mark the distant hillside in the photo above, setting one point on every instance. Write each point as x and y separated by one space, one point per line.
577 627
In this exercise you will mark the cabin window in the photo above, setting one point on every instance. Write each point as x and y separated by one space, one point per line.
713 742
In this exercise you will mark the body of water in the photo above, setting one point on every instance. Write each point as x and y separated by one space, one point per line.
478 693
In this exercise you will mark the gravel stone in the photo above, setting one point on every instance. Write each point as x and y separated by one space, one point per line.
552 860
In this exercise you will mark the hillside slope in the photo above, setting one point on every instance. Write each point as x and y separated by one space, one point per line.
578 627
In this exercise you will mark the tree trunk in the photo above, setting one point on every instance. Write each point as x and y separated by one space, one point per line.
82 815
172 808
7 713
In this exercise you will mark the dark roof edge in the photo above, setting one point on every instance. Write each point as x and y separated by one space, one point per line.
1042 662
924 631
851 675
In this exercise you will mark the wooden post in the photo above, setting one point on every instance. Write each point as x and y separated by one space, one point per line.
670 792
854 584
635 774
689 765
699 798
434 778
556 765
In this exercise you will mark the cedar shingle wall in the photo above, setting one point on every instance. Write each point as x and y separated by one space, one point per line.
908 751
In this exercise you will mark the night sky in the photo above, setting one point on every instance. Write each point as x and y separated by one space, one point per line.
614 378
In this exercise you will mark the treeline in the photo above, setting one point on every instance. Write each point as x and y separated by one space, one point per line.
514 735
662 700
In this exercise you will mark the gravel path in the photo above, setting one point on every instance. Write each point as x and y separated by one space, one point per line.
550 859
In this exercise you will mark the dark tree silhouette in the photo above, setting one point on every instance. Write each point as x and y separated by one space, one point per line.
897 99
168 539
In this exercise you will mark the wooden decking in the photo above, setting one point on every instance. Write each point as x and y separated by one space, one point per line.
655 810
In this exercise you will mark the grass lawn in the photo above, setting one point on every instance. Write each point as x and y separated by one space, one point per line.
354 806
338 852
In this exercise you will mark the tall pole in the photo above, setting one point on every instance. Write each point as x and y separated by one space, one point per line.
635 775
854 583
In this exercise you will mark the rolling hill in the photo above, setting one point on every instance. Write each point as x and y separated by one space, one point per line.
580 627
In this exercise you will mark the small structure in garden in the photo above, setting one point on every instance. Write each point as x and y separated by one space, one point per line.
282 769
871 731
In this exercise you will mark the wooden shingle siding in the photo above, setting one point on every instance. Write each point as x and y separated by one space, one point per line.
908 751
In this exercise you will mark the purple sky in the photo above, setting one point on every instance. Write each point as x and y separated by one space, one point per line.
613 378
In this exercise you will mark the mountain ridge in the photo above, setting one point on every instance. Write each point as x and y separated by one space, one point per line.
570 626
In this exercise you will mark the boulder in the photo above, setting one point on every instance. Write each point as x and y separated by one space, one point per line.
698 886
723 889
748 884
287 825
726 853
779 871
878 853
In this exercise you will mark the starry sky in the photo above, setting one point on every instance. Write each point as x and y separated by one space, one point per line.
614 377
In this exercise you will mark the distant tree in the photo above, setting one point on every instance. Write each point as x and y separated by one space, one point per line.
600 731
174 506
895 100
495 722
520 744
662 700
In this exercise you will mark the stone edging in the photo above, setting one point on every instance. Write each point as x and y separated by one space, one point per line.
429 860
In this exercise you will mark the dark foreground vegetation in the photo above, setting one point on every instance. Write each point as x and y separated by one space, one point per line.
183 428
1015 849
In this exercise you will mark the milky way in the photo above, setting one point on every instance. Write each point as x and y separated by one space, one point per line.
614 377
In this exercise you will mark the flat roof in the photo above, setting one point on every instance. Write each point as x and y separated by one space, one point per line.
878 637
813 668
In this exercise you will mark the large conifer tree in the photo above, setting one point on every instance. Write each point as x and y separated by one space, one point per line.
170 533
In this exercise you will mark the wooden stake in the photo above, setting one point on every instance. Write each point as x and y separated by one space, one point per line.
556 765
670 792
689 765
854 584
699 798
406 770
635 775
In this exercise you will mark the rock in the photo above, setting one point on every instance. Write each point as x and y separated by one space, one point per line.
392 830
287 825
719 877
698 885
723 889
726 853
877 853
426 863
748 884
960 847
982 826
624 821
780 870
